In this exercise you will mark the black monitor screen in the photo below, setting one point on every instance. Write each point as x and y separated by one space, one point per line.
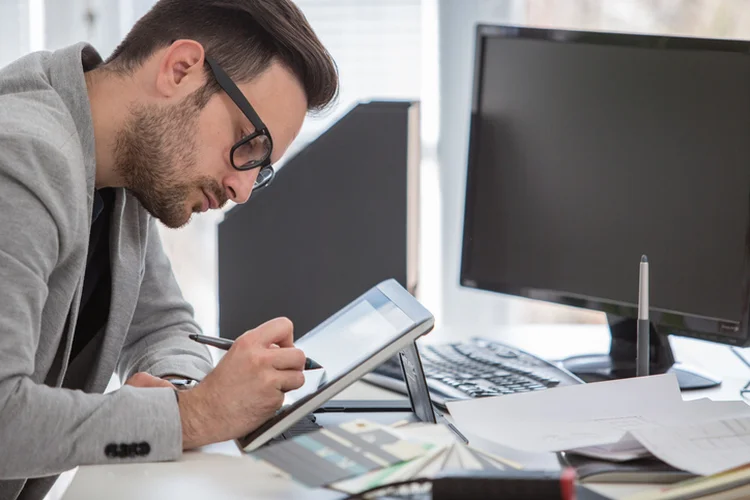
588 152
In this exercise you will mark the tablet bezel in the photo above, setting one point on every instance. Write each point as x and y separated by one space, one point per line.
422 323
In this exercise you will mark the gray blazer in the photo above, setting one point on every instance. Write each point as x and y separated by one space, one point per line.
53 415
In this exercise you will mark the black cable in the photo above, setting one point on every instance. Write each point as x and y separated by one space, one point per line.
746 389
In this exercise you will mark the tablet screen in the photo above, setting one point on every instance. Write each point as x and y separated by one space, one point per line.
366 332
348 339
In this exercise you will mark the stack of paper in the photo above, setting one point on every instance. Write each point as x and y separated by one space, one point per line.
617 420
702 448
733 484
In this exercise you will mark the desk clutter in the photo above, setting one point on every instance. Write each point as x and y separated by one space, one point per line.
733 484
367 459
636 430
621 422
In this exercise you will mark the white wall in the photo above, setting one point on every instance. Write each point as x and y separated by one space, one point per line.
456 27
102 23
14 27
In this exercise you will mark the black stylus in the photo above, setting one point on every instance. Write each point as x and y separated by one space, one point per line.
225 344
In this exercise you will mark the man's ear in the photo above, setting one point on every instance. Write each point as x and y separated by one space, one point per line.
181 69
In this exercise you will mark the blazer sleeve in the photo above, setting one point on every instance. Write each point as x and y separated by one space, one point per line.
157 341
47 430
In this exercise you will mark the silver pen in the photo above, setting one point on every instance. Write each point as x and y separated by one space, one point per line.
643 328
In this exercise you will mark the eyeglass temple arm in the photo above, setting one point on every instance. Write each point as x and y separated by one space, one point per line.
234 93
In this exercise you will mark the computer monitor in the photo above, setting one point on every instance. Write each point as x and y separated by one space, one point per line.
588 150
340 217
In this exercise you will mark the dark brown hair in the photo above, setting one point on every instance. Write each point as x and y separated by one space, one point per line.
243 36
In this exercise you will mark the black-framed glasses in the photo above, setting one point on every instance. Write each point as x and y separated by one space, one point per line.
254 150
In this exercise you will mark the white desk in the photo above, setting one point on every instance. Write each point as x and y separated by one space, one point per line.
221 472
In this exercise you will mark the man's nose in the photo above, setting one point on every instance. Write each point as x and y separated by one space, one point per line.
239 185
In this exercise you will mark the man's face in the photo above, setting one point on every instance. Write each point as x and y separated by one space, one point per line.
175 157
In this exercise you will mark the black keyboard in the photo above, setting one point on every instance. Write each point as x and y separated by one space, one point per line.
475 369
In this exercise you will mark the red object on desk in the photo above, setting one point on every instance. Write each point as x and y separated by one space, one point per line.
508 485
568 483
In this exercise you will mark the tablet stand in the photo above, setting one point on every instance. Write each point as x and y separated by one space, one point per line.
419 403
419 394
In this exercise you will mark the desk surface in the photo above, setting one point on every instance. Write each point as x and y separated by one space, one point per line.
220 471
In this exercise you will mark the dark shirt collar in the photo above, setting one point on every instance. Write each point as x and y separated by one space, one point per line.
98 206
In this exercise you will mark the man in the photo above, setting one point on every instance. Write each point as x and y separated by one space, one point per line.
191 110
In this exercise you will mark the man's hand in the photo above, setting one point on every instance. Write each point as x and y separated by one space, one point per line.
246 387
143 379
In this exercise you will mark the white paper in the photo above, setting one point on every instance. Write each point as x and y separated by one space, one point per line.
627 448
696 411
424 466
434 434
706 410
597 415
570 417
705 448
453 459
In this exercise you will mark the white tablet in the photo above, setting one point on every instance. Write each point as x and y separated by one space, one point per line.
350 344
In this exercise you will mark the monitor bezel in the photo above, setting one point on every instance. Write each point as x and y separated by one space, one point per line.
727 331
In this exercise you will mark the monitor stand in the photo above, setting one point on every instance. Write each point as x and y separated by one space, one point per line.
620 362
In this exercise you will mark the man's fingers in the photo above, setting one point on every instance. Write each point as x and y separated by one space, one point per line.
288 358
291 379
279 331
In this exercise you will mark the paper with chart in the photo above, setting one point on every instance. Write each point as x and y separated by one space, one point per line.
570 417
589 417
704 448
699 410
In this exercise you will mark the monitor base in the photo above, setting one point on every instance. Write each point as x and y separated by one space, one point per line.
598 368
620 362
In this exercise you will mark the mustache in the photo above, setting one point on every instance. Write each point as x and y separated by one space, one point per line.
217 192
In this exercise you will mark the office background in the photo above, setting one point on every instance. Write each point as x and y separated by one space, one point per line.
410 49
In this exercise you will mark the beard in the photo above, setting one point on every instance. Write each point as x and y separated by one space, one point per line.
155 154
